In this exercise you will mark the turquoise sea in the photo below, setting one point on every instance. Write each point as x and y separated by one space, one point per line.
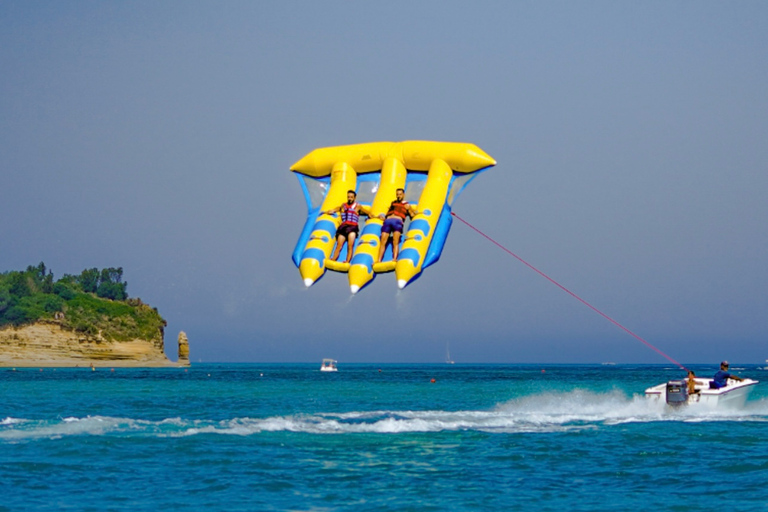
255 437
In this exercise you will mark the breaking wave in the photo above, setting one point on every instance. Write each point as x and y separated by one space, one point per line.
541 413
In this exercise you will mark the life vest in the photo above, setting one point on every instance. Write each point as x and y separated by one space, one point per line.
399 209
349 214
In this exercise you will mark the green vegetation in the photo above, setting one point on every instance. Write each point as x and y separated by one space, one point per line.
94 302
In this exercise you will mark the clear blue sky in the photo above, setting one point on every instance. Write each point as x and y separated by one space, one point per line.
631 140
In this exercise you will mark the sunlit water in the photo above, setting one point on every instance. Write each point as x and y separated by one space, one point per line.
370 437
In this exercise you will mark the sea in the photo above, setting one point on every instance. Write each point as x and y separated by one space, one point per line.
402 437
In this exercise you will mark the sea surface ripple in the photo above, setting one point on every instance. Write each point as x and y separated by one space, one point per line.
373 437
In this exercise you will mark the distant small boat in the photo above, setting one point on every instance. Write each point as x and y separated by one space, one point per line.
448 359
329 365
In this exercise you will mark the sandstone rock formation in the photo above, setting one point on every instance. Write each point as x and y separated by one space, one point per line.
48 344
183 349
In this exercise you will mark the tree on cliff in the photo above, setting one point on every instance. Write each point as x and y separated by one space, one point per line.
28 296
89 280
111 285
106 283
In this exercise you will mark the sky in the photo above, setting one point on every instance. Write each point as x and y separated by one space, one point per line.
630 140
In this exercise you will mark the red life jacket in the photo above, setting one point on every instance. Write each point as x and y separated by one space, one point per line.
349 214
399 209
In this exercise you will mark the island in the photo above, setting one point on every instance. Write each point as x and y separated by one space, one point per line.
85 320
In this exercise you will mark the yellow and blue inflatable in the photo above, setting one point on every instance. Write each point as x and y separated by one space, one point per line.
432 175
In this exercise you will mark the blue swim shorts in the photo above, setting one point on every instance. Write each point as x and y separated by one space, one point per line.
392 224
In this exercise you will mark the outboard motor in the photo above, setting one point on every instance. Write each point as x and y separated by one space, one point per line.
677 392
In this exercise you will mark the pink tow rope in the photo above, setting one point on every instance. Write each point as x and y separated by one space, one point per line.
569 292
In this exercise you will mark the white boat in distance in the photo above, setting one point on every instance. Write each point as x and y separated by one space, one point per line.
328 365
675 392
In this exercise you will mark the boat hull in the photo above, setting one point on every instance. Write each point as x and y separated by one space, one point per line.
328 365
734 395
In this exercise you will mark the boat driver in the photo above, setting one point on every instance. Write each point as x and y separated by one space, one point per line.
722 376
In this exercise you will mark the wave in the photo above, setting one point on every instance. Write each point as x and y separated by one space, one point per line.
540 413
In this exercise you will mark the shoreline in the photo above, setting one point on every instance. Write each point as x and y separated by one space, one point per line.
86 364
48 345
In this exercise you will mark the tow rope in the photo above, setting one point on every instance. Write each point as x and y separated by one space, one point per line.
569 292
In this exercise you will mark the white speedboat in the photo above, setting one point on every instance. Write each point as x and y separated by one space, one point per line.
675 392
329 365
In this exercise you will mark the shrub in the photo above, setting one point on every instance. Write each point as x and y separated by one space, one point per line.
32 295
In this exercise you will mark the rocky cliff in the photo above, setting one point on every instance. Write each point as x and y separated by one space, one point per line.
47 343
183 349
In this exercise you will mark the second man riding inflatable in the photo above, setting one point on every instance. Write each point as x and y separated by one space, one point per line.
393 223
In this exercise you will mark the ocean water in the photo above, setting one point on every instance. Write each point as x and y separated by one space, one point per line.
281 437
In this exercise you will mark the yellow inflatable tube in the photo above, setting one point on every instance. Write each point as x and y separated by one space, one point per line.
363 264
422 228
416 155
320 244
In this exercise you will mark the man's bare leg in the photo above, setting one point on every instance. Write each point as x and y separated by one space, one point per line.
350 245
339 245
383 248
396 245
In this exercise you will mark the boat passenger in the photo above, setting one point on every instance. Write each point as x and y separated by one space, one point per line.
692 383
722 376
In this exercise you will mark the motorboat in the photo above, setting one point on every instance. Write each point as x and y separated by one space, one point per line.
328 365
675 393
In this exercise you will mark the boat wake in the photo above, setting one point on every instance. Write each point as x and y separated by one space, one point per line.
540 413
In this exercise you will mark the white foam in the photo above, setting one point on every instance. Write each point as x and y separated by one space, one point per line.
541 413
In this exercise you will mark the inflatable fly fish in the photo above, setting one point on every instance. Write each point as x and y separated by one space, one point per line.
432 174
